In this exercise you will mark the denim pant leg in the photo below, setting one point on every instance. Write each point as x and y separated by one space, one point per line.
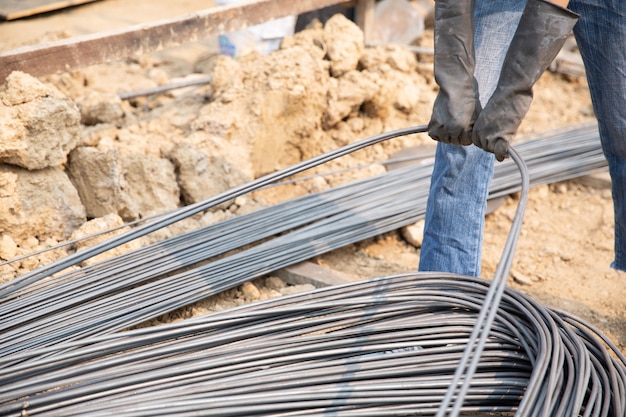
455 211
601 37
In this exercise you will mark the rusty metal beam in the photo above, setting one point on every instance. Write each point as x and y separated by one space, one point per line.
68 54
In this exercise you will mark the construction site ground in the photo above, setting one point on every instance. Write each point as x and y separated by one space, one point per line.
566 243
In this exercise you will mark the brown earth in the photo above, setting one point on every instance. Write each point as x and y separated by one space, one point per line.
565 247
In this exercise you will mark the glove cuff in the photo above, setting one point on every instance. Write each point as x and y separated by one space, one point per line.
559 9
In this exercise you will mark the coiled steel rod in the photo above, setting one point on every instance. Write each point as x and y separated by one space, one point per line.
386 346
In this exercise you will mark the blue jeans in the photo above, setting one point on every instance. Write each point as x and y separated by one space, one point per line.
461 175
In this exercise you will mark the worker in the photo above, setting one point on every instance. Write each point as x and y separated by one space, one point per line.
488 55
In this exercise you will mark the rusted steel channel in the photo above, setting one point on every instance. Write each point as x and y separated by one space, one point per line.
81 51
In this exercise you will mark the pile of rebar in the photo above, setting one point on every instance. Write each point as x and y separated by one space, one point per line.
62 352
39 309
386 346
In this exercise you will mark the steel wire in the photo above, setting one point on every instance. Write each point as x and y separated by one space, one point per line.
394 199
190 210
331 346
471 356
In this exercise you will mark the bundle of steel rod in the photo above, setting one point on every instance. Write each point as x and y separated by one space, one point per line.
36 313
385 346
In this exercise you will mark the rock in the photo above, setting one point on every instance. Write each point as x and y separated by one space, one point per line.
271 294
22 88
98 225
402 87
7 273
350 91
8 247
345 44
250 291
521 278
199 176
133 186
38 125
414 233
275 283
98 177
41 203
92 135
311 39
151 183
408 98
96 108
30 244
400 58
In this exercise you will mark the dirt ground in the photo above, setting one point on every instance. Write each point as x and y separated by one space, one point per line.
565 248
566 243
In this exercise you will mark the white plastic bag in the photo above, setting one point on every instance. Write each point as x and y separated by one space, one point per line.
263 38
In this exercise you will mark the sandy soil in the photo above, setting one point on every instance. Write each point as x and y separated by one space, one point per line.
566 242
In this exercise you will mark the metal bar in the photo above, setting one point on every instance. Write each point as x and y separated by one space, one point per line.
163 88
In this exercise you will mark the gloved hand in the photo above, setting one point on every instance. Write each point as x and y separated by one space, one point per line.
456 106
540 35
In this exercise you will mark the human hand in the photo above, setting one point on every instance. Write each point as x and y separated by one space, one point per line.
540 35
456 106
497 123
455 111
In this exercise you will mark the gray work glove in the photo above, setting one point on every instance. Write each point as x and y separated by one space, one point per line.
456 106
540 35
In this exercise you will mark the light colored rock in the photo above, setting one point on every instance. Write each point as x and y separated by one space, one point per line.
408 98
132 186
400 58
22 88
93 227
151 182
96 108
414 233
8 247
311 39
38 125
30 243
269 294
93 135
7 273
521 278
41 203
98 177
345 44
275 283
250 291
350 91
199 176
402 87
